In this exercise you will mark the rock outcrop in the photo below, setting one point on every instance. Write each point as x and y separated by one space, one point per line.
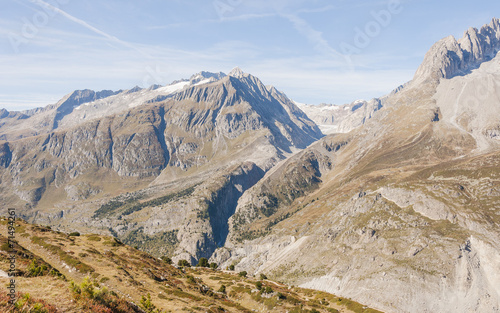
449 57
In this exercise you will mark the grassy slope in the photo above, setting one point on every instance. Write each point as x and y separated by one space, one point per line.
128 274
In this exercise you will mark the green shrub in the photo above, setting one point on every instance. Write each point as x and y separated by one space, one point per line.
258 285
113 243
203 262
242 274
222 289
213 265
183 263
5 247
54 272
263 276
166 259
26 302
191 279
146 304
94 238
34 270
93 299
75 233
231 267
87 290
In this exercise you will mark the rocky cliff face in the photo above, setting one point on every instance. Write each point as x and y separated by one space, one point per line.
198 148
402 212
449 57
423 239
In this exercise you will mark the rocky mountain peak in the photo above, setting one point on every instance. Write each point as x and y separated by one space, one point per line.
135 89
206 76
154 87
449 57
236 72
78 97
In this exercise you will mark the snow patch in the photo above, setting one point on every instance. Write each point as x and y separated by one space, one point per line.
205 81
330 108
299 104
173 88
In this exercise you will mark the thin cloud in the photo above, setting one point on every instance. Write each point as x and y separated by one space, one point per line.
314 36
268 11
243 17
79 21
158 27
25 5
88 26
317 10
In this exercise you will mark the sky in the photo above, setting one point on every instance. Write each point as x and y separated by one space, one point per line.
316 51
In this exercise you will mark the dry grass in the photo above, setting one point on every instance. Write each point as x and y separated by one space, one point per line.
128 274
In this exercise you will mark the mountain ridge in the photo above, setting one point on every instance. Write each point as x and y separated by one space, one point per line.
206 137
449 57
400 211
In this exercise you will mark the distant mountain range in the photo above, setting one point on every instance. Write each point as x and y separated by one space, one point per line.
393 202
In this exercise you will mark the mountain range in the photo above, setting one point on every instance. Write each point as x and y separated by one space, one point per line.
393 202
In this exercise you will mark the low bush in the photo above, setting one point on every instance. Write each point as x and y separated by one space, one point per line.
25 303
222 289
166 259
183 263
258 285
93 299
203 262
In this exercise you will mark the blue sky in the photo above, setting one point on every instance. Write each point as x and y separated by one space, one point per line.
314 50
